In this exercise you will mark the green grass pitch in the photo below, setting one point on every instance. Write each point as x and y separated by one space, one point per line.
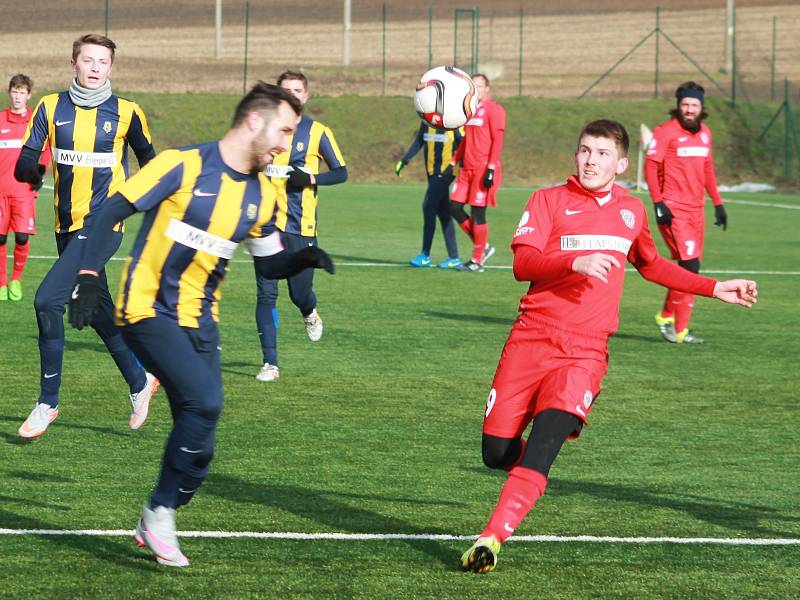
376 429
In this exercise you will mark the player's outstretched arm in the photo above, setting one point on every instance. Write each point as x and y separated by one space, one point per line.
737 291
595 265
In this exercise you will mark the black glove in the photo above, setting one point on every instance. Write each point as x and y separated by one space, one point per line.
447 173
663 214
84 300
398 166
720 217
310 257
298 178
488 178
33 175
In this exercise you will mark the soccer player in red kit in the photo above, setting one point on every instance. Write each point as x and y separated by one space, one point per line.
17 200
679 170
481 173
571 244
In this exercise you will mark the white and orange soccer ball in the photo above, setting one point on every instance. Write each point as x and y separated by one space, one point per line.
445 98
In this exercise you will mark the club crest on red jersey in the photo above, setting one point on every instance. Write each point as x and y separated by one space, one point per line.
628 218
587 398
704 137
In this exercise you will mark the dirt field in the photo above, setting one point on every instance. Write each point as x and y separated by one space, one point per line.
169 46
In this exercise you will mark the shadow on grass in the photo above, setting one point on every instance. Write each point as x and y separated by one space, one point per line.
509 321
118 551
362 259
650 339
34 503
43 477
327 509
15 439
730 514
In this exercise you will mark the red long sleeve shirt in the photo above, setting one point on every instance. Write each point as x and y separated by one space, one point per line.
564 222
12 130
484 137
680 166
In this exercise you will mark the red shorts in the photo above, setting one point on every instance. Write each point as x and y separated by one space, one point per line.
684 236
543 367
469 188
18 215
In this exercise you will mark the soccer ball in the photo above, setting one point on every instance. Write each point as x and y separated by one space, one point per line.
445 98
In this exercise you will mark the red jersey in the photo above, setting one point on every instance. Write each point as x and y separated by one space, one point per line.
483 137
567 221
12 129
685 165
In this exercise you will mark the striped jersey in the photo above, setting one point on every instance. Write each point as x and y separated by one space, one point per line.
90 150
312 143
438 147
197 209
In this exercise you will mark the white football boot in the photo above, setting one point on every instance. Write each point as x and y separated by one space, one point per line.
268 373
156 531
313 326
140 402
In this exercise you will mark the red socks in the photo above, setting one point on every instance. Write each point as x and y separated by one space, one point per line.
520 492
466 226
3 266
681 306
480 235
21 252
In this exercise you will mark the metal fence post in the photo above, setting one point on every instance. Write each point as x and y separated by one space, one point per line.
772 62
246 35
430 36
519 83
787 149
733 59
383 60
658 35
106 18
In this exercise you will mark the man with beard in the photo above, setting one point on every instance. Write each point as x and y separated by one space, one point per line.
679 170
198 202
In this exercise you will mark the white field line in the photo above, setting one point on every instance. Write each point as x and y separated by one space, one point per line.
404 265
275 535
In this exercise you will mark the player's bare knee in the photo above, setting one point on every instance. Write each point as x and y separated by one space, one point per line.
500 453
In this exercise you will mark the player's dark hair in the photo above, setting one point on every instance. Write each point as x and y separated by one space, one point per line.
689 89
293 76
263 98
95 39
20 80
484 77
612 130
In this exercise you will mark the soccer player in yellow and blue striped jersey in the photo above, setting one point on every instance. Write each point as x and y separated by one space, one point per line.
438 146
198 202
89 131
297 175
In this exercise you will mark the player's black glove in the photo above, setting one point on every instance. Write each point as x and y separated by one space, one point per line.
663 214
298 178
488 178
720 217
398 166
447 173
84 300
33 175
310 257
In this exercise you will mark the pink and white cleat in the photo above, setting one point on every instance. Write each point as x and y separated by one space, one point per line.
156 531
140 402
